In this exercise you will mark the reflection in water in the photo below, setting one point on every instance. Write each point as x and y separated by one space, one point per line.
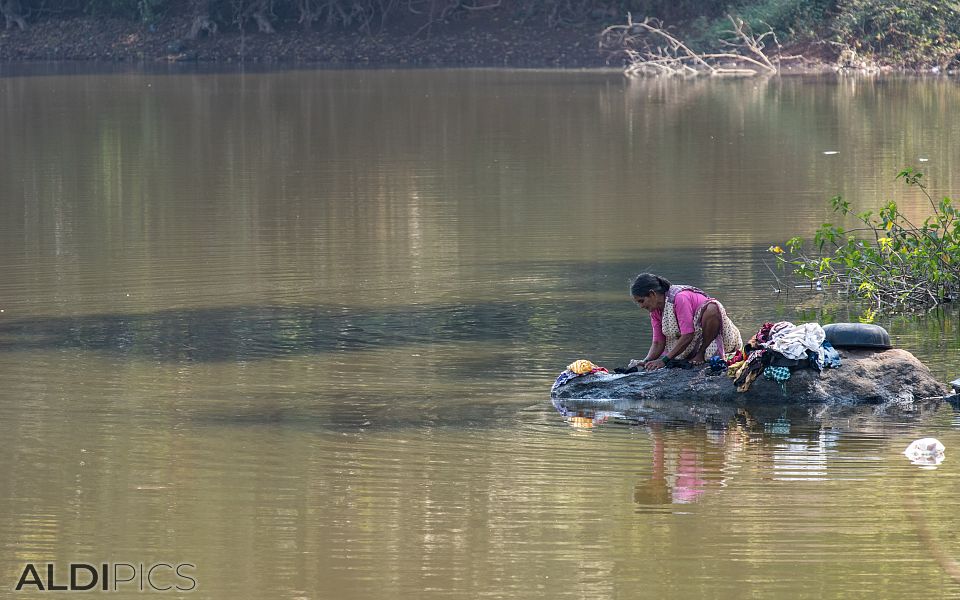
799 459
701 462
700 451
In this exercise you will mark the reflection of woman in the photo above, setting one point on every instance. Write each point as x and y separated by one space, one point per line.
686 322
655 490
685 484
684 468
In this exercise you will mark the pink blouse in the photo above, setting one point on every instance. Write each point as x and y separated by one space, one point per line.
685 305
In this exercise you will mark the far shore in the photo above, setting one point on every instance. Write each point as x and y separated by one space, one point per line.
483 44
117 40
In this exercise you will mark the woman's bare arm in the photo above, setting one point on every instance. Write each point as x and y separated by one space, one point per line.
656 348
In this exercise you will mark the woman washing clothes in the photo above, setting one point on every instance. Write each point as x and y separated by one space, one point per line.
686 322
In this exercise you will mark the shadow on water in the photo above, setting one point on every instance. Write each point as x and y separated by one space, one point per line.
418 411
533 319
263 332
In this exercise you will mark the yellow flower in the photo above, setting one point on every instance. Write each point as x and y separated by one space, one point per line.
775 249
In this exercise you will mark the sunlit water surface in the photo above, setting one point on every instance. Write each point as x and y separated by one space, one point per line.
299 329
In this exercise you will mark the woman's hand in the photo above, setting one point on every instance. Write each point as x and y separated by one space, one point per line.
653 365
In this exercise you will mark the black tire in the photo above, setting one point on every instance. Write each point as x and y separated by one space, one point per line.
857 335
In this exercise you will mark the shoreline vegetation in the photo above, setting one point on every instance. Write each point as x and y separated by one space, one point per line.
672 37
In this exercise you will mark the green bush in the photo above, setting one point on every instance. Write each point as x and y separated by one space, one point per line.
790 20
890 261
911 32
675 11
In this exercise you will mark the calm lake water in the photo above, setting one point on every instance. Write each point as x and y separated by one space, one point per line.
299 329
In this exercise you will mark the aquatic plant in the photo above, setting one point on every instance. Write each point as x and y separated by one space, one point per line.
890 261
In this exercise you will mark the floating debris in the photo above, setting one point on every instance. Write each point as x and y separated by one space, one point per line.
830 152
925 451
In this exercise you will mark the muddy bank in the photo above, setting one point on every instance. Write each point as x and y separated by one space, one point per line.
486 43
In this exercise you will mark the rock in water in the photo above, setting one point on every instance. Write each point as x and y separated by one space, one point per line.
865 377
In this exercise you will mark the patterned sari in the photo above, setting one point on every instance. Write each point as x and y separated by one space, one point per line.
728 340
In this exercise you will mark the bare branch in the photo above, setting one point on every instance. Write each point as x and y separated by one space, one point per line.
652 49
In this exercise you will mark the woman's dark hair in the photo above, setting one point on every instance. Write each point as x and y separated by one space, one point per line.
648 282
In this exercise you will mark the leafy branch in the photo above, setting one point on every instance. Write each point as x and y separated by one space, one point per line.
890 261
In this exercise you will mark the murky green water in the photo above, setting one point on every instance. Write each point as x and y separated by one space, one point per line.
299 329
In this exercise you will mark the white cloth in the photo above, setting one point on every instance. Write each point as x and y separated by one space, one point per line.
793 341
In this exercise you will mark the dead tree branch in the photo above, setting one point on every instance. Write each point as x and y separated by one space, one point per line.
651 50
747 41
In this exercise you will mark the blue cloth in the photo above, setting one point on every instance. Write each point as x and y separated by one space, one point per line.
831 358
717 364
563 378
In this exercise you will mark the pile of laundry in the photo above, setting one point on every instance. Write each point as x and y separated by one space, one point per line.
777 350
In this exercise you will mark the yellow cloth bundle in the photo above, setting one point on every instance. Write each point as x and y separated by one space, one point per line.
581 367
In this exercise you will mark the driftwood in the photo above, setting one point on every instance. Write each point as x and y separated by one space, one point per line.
651 50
